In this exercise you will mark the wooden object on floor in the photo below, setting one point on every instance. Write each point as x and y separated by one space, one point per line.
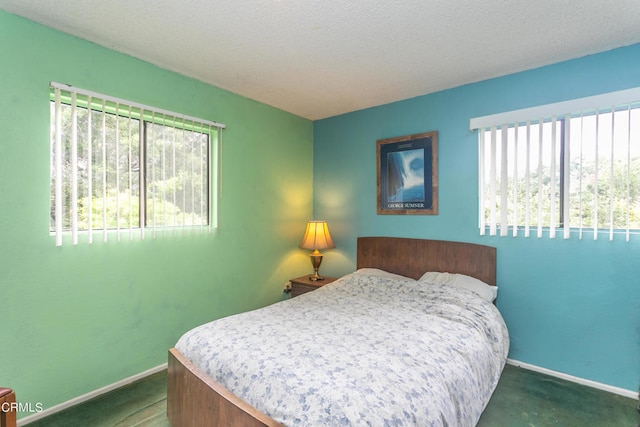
194 399
7 409
304 284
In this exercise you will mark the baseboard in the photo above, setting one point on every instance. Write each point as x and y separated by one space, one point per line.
80 399
589 383
95 393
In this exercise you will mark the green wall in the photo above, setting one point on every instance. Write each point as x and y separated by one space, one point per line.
77 318
571 306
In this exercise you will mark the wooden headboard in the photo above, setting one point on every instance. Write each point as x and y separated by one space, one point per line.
414 257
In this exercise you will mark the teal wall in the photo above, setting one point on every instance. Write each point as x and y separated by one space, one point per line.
77 318
571 306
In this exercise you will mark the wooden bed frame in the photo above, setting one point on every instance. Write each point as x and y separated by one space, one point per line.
194 399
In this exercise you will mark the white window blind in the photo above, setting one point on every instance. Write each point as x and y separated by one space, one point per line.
123 169
568 166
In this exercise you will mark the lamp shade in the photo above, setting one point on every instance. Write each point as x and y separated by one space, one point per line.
317 236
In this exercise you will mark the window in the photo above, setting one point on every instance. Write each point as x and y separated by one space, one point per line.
118 166
567 166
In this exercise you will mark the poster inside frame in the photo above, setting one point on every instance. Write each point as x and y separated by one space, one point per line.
408 174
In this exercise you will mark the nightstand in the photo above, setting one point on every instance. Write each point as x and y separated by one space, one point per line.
303 284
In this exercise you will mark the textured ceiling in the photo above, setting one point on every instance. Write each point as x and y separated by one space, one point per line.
320 58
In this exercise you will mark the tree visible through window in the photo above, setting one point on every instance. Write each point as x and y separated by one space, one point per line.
119 167
578 171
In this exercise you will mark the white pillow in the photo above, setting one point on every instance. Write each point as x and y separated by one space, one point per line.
384 274
484 290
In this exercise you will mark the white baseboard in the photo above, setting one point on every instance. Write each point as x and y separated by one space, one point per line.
75 401
589 383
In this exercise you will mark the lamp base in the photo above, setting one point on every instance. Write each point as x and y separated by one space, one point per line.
316 260
315 277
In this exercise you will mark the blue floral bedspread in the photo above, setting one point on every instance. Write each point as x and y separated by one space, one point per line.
361 351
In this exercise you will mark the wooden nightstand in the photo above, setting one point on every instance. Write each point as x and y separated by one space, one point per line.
302 284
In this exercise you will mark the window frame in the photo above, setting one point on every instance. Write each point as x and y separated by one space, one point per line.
624 102
146 118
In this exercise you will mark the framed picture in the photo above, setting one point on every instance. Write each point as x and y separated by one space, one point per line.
408 175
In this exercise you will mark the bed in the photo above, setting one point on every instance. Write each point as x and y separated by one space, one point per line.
371 348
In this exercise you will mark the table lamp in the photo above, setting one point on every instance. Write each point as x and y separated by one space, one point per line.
316 237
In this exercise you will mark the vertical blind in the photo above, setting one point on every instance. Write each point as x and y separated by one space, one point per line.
123 168
570 165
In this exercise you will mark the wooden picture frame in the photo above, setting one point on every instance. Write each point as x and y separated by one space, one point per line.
407 171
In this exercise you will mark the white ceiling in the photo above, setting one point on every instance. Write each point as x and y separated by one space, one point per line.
320 58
